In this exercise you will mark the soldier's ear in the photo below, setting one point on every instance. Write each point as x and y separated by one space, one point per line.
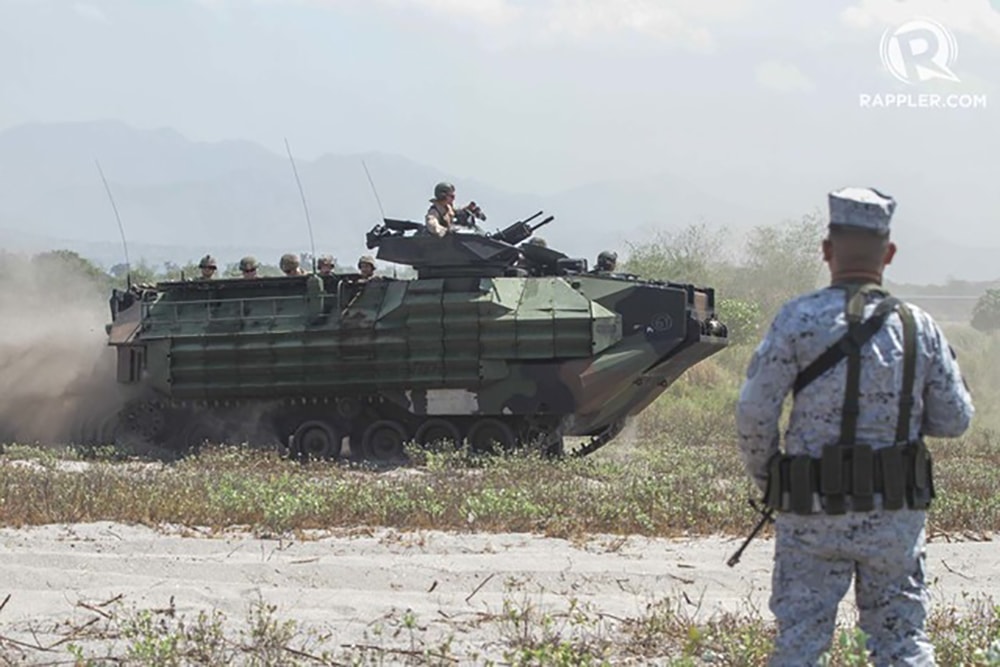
827 249
890 252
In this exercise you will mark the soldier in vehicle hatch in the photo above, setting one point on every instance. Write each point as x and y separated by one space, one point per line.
248 266
289 264
366 267
607 262
325 264
442 218
208 267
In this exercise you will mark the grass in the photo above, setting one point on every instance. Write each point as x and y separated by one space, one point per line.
520 632
675 471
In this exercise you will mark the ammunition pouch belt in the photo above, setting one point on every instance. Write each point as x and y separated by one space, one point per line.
848 477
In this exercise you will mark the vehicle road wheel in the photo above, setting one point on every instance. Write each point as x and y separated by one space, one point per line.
315 440
492 436
438 433
384 442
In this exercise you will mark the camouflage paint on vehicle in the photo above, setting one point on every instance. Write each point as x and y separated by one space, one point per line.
499 345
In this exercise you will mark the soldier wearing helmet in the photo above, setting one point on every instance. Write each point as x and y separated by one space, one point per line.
325 264
248 267
208 267
289 264
442 217
539 241
607 261
366 266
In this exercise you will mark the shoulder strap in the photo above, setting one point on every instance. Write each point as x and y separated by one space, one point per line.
855 338
909 370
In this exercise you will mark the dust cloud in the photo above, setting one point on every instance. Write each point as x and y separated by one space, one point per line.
56 371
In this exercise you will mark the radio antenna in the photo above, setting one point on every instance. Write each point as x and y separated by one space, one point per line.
121 227
305 207
374 191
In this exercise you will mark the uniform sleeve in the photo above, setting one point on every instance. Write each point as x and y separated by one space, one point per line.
433 222
948 405
770 376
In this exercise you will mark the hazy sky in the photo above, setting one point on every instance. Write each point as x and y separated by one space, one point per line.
756 97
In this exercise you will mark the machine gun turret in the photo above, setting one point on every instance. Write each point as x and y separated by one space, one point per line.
520 230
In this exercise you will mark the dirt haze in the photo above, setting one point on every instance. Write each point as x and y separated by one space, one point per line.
56 371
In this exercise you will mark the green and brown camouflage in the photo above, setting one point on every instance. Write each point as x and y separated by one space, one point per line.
476 349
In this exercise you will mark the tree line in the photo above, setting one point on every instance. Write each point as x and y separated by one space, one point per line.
752 273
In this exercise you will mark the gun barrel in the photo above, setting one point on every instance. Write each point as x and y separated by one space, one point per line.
533 217
543 222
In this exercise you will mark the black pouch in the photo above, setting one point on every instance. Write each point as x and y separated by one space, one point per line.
862 478
831 479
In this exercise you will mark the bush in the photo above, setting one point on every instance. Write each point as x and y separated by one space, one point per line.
986 314
742 318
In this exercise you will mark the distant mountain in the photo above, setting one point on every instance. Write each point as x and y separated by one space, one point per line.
179 199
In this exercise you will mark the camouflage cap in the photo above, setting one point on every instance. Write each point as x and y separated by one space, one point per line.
861 208
366 259
248 263
288 262
207 262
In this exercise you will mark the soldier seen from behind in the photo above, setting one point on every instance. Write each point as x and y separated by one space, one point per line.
208 267
442 218
325 264
289 264
871 377
248 267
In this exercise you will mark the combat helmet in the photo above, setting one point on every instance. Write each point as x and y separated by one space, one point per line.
207 262
248 263
366 259
325 260
288 262
607 259
442 189
539 241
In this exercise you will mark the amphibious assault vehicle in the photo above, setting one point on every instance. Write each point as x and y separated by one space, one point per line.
496 344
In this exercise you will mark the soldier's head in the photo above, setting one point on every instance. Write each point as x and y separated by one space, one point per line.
289 264
444 193
366 266
607 260
857 243
539 241
248 267
208 266
325 264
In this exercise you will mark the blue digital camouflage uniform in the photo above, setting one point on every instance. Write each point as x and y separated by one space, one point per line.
816 556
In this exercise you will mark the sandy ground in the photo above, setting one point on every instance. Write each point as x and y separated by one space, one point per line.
349 584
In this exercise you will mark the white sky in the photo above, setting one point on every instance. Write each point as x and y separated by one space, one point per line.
758 98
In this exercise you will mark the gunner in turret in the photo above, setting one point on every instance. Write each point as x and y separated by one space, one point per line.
442 218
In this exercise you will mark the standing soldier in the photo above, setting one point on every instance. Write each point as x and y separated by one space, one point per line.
289 264
248 267
853 484
208 267
325 265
